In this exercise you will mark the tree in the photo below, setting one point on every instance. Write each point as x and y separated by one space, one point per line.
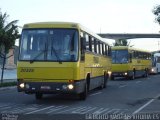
121 42
8 35
156 11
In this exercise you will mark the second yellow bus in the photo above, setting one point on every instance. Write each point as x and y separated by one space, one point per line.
130 62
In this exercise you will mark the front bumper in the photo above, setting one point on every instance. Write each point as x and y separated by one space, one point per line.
50 87
119 74
153 71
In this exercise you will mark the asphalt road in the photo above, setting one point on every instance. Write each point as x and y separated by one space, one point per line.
121 96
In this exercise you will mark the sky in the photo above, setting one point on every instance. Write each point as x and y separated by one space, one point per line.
100 16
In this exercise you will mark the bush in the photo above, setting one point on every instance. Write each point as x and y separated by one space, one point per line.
8 84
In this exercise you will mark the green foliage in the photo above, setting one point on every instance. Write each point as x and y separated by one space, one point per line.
7 84
156 12
8 33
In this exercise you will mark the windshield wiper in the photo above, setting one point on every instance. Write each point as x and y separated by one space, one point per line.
58 58
34 59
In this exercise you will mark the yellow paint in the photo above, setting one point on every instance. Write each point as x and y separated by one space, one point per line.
96 65
137 64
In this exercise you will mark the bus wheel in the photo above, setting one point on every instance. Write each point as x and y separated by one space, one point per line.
105 80
38 96
83 95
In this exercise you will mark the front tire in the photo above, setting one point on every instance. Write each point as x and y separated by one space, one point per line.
83 95
105 81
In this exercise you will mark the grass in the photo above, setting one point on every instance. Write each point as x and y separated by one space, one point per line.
7 84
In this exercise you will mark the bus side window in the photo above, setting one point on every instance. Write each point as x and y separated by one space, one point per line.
109 51
87 42
106 50
93 46
83 47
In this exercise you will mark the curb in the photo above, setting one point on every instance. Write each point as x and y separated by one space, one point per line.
7 88
9 80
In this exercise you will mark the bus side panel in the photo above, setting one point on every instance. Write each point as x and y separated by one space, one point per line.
95 66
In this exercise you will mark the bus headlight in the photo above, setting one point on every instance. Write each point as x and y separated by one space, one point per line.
109 72
152 70
125 73
70 86
21 85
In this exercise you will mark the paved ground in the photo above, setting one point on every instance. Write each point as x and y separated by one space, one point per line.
122 97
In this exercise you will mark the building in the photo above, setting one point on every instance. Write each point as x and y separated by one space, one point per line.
11 62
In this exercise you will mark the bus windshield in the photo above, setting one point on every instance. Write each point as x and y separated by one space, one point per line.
155 60
119 56
49 45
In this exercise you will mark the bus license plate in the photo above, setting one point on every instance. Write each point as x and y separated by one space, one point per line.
45 87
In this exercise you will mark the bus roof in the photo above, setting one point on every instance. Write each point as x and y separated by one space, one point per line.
51 25
63 25
130 48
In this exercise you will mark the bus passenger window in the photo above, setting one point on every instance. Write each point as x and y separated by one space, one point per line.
93 47
109 51
83 48
106 50
90 43
87 42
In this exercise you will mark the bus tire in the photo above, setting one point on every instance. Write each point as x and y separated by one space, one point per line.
83 95
38 96
105 80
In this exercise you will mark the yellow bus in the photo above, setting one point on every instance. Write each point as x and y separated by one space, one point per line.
61 57
130 62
